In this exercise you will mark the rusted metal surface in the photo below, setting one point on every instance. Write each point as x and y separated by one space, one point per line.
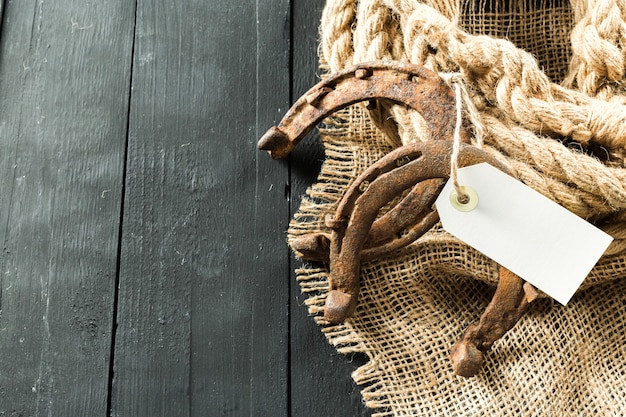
358 230
408 84
414 207
361 205
403 224
509 303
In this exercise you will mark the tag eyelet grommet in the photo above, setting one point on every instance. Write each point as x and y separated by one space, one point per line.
471 204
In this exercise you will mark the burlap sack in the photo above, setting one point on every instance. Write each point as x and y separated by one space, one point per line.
543 85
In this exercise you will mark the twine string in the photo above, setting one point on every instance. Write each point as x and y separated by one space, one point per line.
462 196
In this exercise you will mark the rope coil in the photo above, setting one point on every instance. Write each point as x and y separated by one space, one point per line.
537 127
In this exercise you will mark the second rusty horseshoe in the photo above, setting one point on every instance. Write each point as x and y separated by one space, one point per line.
356 237
409 84
400 226
509 303
361 204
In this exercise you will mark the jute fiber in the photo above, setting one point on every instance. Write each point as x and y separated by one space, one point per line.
543 84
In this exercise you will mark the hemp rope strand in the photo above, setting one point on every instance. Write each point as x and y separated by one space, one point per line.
462 196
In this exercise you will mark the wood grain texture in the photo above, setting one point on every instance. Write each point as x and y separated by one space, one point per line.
203 301
64 83
321 383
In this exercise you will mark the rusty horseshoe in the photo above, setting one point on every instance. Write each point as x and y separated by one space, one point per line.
408 84
370 192
415 172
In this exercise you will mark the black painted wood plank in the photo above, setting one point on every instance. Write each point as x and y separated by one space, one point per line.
64 82
203 298
321 383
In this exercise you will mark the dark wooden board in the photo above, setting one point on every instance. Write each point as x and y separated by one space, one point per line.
203 299
321 383
64 84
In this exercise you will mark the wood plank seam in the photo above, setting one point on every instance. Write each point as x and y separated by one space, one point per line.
111 374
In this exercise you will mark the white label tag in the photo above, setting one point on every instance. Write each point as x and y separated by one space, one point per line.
537 239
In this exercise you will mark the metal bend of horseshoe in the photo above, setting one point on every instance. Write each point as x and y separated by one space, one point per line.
361 204
354 217
408 220
397 228
401 225
413 216
408 84
509 303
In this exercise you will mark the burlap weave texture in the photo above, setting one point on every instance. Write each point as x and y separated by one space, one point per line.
415 303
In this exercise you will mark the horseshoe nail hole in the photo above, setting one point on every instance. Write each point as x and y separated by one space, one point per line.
314 97
403 160
466 201
363 186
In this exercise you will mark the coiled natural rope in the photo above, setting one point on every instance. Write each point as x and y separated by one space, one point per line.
597 43
523 115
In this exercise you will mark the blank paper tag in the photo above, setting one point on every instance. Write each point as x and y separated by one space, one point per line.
537 239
